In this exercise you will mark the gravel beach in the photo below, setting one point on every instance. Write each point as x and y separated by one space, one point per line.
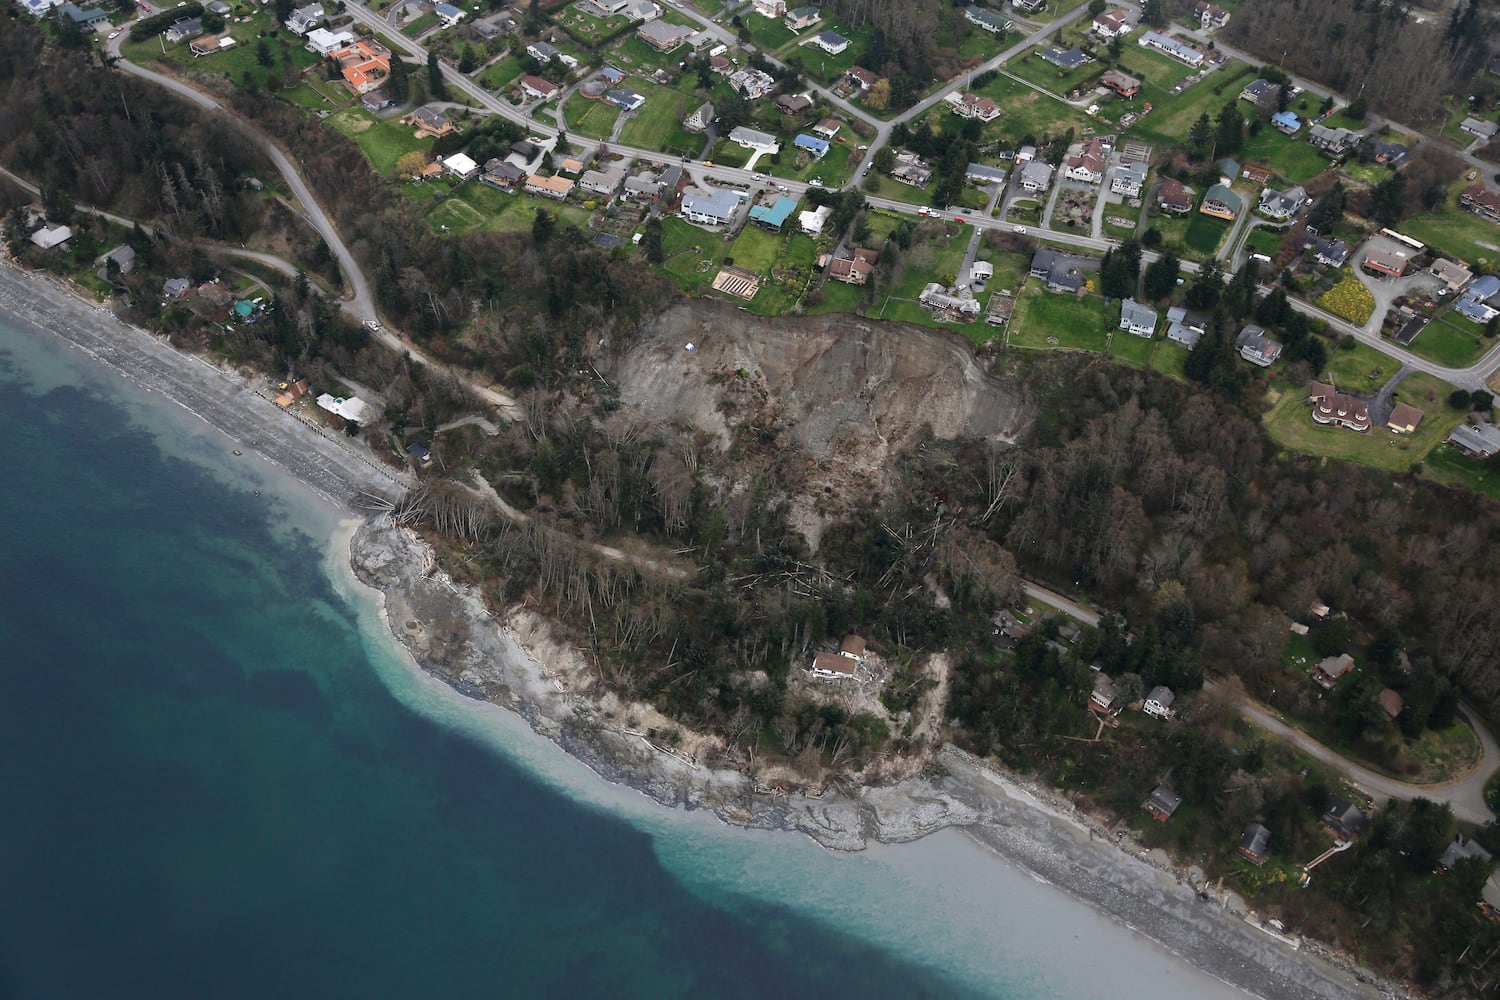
453 636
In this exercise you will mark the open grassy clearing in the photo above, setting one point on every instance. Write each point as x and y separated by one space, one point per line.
1289 421
1129 349
1027 112
660 118
768 33
828 68
501 75
595 119
1205 233
1030 66
1047 321
1359 368
1291 157
233 63
1446 464
383 142
416 26
1455 230
1450 340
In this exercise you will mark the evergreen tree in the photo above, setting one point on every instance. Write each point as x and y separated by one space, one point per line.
542 227
1230 134
1388 201
1200 136
1206 288
1329 209
1154 14
651 241
396 84
1161 276
436 85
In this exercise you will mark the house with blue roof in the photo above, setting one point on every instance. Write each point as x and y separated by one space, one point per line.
1475 305
812 144
773 216
1286 122
625 100
831 42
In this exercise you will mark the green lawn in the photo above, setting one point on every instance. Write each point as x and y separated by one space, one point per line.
1359 369
418 25
1455 230
1171 360
1446 464
1205 233
1291 157
1450 340
822 66
756 249
1030 66
1048 321
1027 112
658 123
1129 349
837 297
233 63
693 255
586 28
383 142
832 169
1265 240
501 75
1289 421
1159 71
595 119
475 206
1173 114
768 33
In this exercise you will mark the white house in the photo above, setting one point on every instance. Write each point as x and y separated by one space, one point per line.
715 208
1137 319
352 409
831 42
751 139
813 222
462 166
1035 175
322 41
1159 702
1128 179
770 8
51 236
832 666
305 19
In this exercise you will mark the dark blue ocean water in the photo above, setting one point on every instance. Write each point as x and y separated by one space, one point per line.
218 778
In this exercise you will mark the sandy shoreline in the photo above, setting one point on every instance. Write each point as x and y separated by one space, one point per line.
451 635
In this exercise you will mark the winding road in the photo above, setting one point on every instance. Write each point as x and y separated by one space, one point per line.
1464 795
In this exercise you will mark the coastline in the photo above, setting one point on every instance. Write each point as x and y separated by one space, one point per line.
448 633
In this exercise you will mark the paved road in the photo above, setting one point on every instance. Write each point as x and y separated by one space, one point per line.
1464 795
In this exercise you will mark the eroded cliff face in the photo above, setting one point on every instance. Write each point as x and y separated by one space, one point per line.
844 387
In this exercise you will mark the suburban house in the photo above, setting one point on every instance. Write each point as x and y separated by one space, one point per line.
353 409
749 138
78 15
123 256
811 144
175 288
1174 196
1329 669
1333 141
429 123
1110 24
1475 304
801 18
854 269
1159 702
1087 165
503 175
1343 819
1392 154
854 647
751 83
1391 702
625 100
986 19
831 42
1404 419
833 666
1162 803
553 187
712 208
1063 274
1221 203
1064 58
185 29
1286 122
770 8
1180 331
1183 53
1255 844
1481 201
1229 171
365 65
973 106
323 42
860 79
1137 319
1451 273
1255 347
1128 179
543 52
207 45
605 182
984 176
1035 176
792 104
1476 127
641 10
910 169
537 89
1104 693
1334 253
448 14
774 215
1210 16
1461 848
462 166
1282 205
1264 94
1475 440
1121 83
1333 408
812 222
700 119
1390 263
661 36
941 300
826 128
1029 6
304 19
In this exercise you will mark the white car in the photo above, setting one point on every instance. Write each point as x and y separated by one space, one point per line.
1018 229
113 35
815 182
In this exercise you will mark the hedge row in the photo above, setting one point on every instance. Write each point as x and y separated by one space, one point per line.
157 23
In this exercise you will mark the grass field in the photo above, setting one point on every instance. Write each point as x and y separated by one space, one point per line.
1265 240
418 25
586 28
1289 421
1047 321
1171 360
1173 114
383 142
1290 156
233 63
837 298
1454 229
1450 340
693 254
1026 112
768 33
501 75
660 118
1129 349
595 119
1030 66
828 68
1359 369
1446 464
1205 233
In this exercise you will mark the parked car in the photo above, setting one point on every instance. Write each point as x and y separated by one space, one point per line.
1018 229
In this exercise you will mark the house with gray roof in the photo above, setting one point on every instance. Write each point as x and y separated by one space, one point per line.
1162 803
1476 440
982 175
1064 58
1282 205
711 208
1137 319
1255 844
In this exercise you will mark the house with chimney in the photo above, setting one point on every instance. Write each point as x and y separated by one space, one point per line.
856 268
1332 408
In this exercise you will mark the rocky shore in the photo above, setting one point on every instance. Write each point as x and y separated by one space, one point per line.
453 636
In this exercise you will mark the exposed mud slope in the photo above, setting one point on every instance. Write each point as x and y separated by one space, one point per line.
844 387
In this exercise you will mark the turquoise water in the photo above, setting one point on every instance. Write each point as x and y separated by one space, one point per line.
219 779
